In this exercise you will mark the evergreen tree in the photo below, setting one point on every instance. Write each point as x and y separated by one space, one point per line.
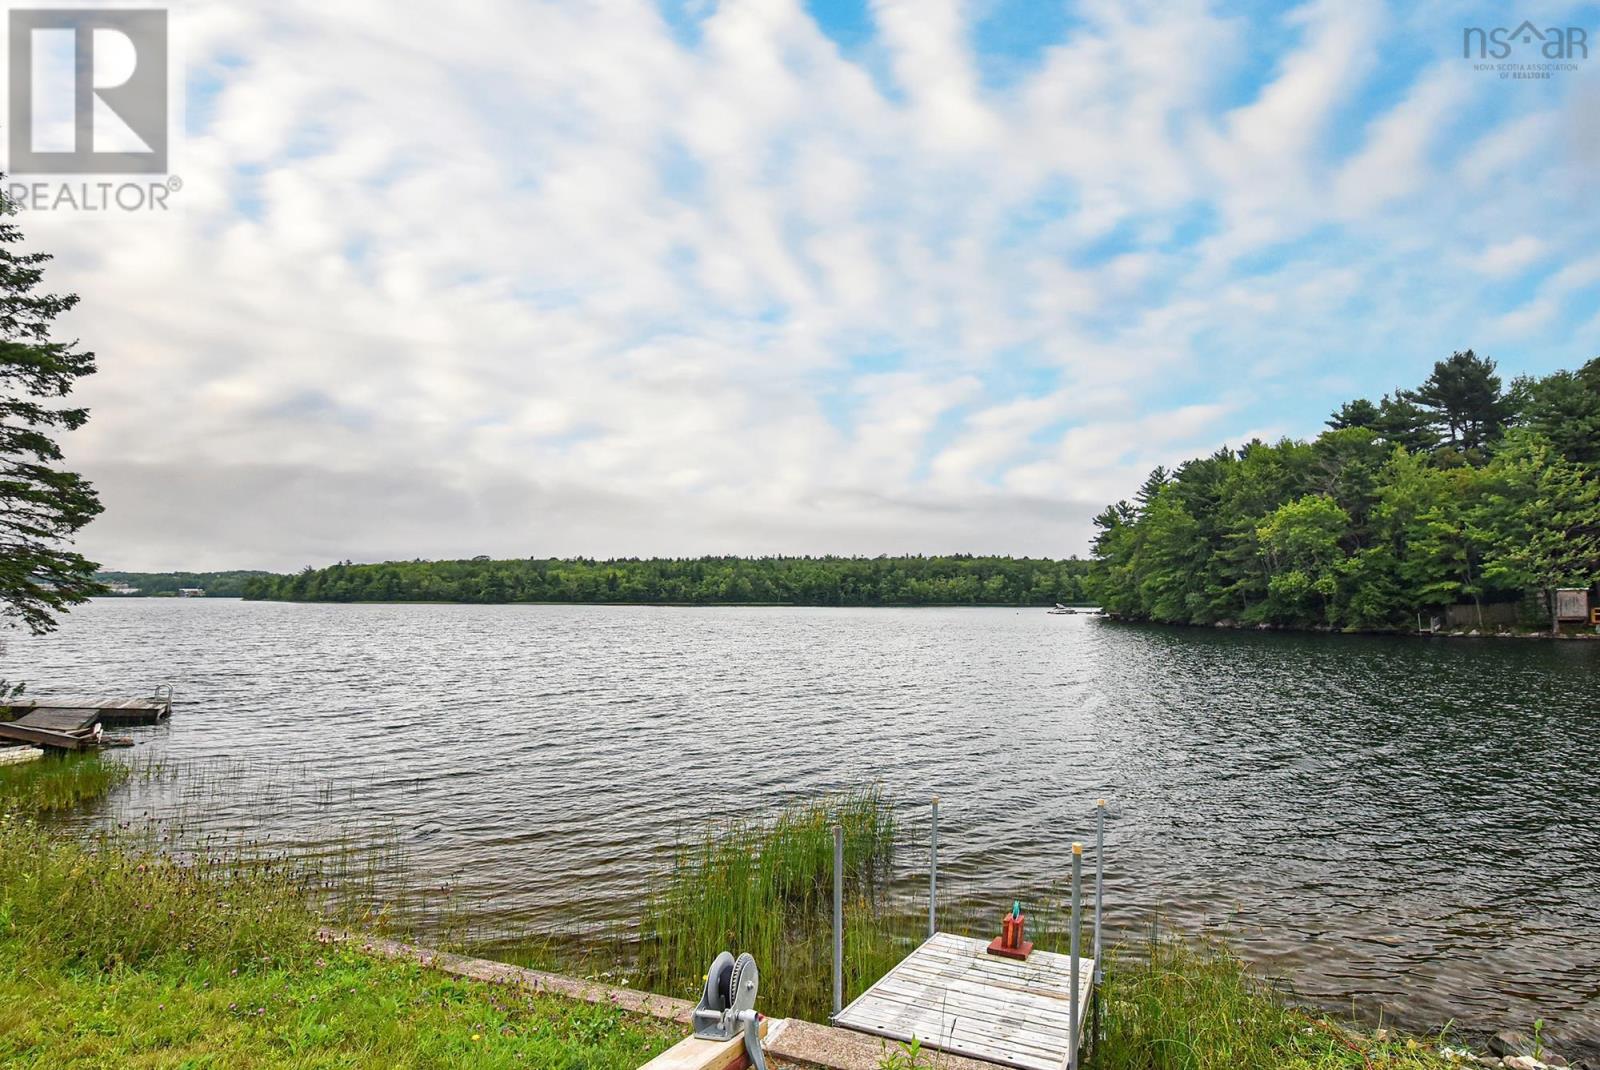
1401 422
42 505
1463 399
1565 408
1357 413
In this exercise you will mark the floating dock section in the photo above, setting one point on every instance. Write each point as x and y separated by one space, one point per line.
996 1001
952 995
74 724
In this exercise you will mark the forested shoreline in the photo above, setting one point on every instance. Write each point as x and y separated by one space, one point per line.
166 584
1461 491
812 581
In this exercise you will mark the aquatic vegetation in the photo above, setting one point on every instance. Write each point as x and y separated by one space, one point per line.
1178 1004
58 782
766 887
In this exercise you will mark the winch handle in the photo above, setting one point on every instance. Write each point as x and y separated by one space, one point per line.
752 1041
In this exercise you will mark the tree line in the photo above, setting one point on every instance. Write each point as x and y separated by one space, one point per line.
1460 491
161 584
813 581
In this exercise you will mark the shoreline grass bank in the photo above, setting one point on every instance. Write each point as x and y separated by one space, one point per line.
115 956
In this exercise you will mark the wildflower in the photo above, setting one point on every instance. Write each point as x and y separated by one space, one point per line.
477 1037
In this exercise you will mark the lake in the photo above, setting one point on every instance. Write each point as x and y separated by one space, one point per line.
1405 823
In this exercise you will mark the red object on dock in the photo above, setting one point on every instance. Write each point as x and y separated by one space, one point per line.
1010 943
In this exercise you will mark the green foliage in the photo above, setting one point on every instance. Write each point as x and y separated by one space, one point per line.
1464 401
114 955
766 887
157 584
1300 541
813 581
57 782
337 1010
42 505
1454 492
907 1056
1564 409
1174 1005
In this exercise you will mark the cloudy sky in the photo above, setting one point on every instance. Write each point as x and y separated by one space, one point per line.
761 276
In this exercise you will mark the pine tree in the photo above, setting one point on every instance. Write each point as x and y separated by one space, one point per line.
41 504
1464 400
1357 413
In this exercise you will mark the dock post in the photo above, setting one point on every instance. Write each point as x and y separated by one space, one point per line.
1099 881
838 919
933 868
1077 921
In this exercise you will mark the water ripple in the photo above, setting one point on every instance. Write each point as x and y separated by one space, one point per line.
1400 824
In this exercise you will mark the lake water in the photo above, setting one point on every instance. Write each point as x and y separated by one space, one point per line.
1402 823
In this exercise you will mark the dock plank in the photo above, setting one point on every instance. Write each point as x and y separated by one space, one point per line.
107 710
65 719
41 737
953 996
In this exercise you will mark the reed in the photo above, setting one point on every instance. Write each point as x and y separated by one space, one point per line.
1185 1004
766 887
58 782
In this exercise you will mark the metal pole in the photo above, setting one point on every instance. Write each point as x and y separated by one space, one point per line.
933 868
1077 921
838 919
1099 881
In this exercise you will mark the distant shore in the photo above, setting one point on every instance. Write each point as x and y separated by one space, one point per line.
1442 633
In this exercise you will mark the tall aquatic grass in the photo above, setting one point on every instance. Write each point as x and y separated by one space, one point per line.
99 905
766 887
143 890
58 782
1183 1004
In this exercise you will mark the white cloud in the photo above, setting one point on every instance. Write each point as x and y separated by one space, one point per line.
1511 256
550 279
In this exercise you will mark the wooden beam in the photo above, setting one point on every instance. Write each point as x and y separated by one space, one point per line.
41 737
692 1053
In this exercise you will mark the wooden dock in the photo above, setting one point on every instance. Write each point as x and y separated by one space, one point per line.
952 995
73 724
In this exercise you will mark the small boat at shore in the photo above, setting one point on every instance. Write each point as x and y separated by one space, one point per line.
1061 610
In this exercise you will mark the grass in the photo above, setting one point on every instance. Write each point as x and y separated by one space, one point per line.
55 783
1183 1005
766 887
114 955
342 1010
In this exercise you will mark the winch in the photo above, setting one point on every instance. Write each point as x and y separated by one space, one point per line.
729 1004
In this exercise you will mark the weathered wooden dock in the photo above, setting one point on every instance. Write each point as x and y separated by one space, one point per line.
73 723
952 995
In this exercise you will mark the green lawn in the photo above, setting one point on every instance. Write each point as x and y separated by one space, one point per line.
342 1009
